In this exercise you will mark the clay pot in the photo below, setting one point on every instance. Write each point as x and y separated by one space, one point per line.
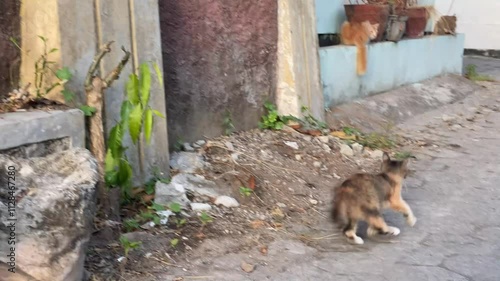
417 20
396 28
372 13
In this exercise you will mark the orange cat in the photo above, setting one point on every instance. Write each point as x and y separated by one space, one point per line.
359 34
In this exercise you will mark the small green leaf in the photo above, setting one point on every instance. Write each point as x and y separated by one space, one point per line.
124 175
148 125
158 73
135 121
175 207
133 89
68 95
127 106
159 114
64 74
88 110
145 83
109 162
115 140
53 50
157 207
42 38
174 242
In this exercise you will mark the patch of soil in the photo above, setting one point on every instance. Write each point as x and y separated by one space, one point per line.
292 190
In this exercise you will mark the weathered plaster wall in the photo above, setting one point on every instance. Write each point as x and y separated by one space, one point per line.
218 55
298 62
9 55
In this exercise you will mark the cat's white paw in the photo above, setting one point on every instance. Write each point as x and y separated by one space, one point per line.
357 240
394 231
371 231
411 220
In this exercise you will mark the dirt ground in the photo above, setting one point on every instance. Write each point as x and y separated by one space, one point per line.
292 176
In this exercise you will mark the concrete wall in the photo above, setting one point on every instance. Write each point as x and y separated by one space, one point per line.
389 65
78 29
218 55
478 20
10 58
298 63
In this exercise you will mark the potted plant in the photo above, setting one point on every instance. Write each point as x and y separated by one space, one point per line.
367 10
417 19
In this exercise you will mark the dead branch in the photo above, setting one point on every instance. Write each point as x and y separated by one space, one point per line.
106 48
115 74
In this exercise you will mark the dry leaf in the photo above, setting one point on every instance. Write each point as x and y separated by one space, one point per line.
251 182
263 250
200 235
293 124
278 214
342 135
257 224
146 198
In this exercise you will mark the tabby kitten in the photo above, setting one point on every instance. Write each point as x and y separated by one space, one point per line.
363 196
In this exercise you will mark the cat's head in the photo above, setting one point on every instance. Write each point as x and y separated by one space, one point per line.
371 29
394 167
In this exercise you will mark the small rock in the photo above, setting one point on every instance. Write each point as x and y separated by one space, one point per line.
324 139
298 157
357 148
277 214
226 201
307 138
175 191
200 207
292 144
456 127
448 118
377 154
235 156
148 255
200 142
313 201
336 176
186 162
346 150
187 147
164 215
148 225
317 164
247 267
281 205
326 147
229 145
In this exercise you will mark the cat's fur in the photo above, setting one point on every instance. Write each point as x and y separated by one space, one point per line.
446 25
359 34
363 196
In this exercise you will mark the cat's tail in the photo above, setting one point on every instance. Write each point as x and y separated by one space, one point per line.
339 215
361 59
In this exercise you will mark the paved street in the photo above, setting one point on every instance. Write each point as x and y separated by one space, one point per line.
454 192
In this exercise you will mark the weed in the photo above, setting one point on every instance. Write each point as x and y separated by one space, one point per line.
205 218
131 225
311 121
245 191
272 120
149 187
174 242
149 216
227 123
350 131
402 155
471 74
137 116
175 207
179 144
376 141
128 245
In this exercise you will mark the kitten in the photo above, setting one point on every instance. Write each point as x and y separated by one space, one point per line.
363 196
446 25
359 34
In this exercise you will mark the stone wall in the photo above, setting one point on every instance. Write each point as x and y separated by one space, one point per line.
9 54
218 55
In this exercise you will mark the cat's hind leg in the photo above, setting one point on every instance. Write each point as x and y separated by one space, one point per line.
350 232
377 225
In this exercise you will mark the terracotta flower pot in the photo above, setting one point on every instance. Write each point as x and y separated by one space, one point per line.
372 13
417 20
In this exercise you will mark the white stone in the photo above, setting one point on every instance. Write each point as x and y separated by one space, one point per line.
187 147
200 207
298 157
226 201
313 201
377 154
346 150
357 148
200 142
317 164
324 139
326 147
186 162
292 144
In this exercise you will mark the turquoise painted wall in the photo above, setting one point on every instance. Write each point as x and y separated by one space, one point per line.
390 65
330 15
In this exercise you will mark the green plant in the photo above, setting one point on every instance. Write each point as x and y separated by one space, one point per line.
205 218
351 131
149 187
402 155
137 116
376 141
273 120
178 145
131 225
472 74
227 123
128 245
149 216
175 207
245 191
174 242
311 121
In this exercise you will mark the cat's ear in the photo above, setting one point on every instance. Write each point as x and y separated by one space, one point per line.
386 157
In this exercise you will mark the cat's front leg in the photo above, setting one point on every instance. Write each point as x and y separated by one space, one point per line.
401 206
